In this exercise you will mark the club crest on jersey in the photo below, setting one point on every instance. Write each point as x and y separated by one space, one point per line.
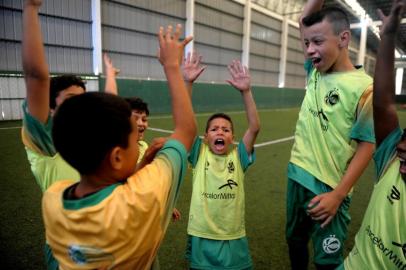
331 244
85 254
332 97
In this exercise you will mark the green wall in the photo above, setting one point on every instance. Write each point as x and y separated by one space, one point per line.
208 97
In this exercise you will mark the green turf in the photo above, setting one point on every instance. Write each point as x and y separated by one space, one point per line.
22 232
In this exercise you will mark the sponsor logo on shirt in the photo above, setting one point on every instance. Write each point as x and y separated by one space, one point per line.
394 195
331 244
332 97
388 252
81 255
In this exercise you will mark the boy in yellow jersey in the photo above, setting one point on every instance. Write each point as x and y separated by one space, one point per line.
112 218
381 241
138 106
44 95
216 227
324 163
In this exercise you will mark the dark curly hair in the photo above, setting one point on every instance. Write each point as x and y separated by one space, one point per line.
60 83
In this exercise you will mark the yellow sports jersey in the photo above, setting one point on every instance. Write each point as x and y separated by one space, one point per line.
217 207
120 226
142 146
337 109
381 241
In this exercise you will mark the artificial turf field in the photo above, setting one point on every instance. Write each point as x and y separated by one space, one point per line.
22 232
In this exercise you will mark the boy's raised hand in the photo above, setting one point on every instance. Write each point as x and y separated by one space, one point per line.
170 52
191 67
36 3
241 79
110 68
390 23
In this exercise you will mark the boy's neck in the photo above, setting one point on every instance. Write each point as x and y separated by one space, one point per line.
342 64
90 184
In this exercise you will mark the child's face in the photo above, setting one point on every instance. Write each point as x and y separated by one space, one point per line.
219 136
322 45
142 123
401 152
131 153
67 93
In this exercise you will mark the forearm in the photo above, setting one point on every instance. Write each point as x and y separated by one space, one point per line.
184 120
311 7
355 169
189 87
34 61
35 67
253 120
111 83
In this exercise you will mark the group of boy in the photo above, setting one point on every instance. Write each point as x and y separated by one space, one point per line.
101 210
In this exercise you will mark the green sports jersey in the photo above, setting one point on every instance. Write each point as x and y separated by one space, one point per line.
217 208
46 164
336 110
381 241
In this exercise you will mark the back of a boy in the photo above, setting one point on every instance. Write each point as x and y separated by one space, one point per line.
99 230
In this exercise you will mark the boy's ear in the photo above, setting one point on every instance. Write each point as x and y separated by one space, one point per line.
205 137
116 158
345 37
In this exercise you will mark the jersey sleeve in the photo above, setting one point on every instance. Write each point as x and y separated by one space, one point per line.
195 151
386 151
158 183
363 128
36 135
246 159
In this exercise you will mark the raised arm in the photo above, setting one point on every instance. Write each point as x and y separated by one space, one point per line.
35 67
240 79
111 73
191 69
170 56
385 117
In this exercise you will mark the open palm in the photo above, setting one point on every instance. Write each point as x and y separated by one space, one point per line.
240 76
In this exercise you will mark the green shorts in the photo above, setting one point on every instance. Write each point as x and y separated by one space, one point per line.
212 254
300 228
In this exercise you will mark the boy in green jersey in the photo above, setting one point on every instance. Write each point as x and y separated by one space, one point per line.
381 241
114 218
324 163
44 95
138 106
216 227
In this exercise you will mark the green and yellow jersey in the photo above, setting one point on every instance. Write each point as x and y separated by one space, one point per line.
46 164
381 241
337 109
142 146
120 226
217 208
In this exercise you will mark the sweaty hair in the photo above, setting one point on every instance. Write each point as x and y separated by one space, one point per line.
336 16
60 83
219 115
137 104
87 127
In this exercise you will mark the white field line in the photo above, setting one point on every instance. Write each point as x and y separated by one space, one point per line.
258 145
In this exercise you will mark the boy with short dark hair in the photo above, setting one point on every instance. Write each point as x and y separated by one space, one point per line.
113 218
44 95
324 164
140 110
381 240
216 227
